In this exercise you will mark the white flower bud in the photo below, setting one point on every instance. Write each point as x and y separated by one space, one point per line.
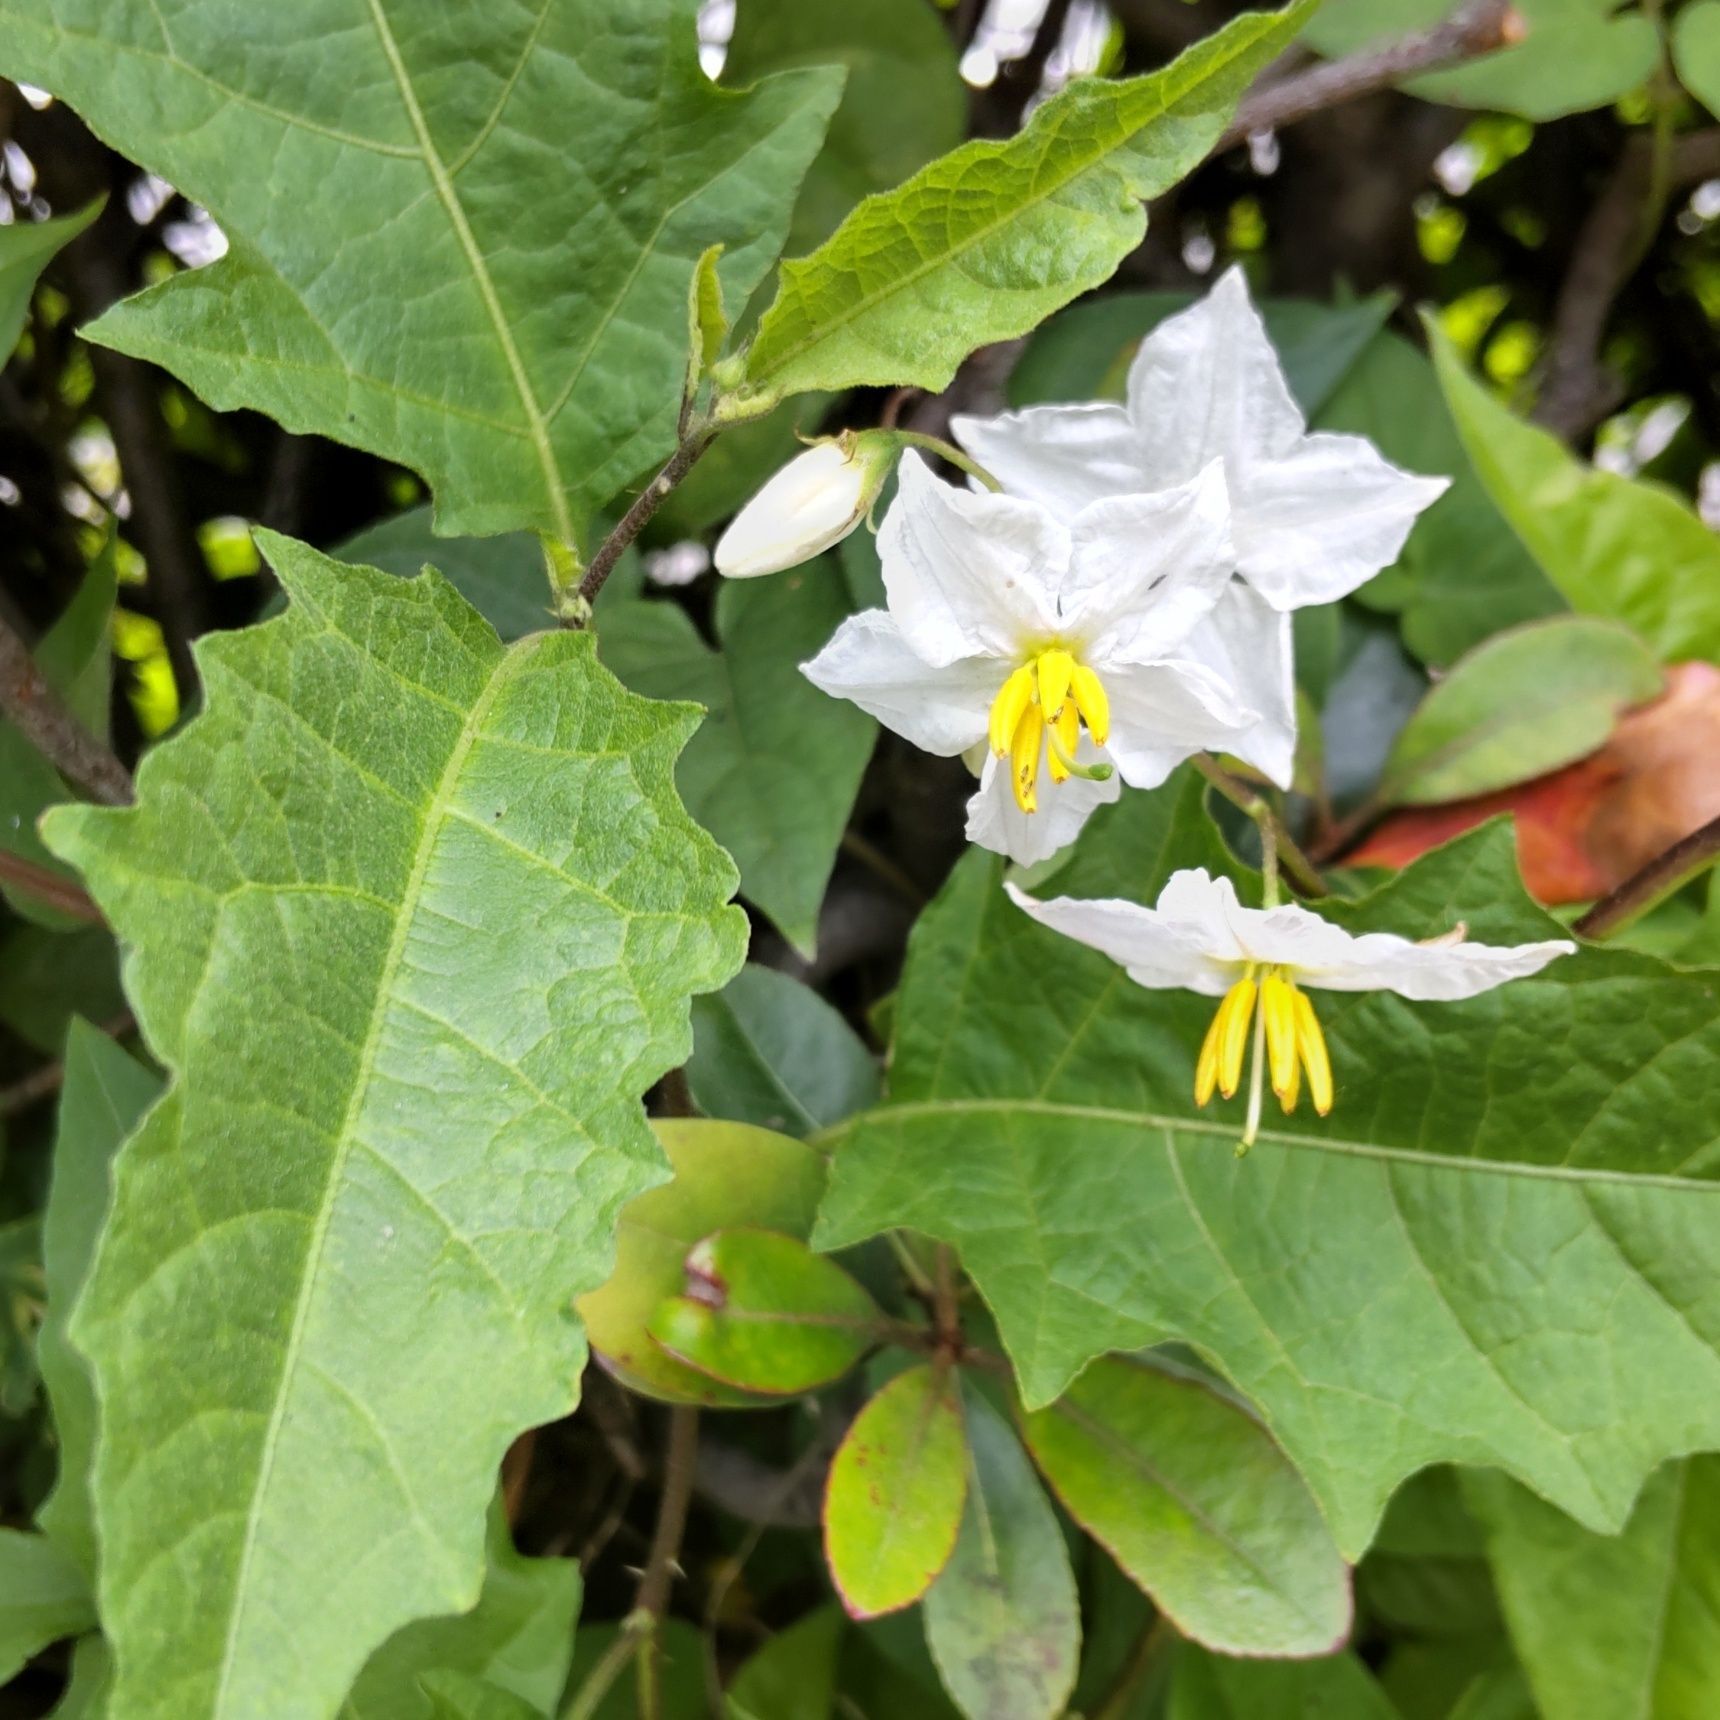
816 500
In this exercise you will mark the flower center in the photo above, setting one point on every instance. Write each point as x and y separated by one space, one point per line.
1043 707
1287 1042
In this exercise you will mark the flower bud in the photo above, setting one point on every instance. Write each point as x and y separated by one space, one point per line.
816 500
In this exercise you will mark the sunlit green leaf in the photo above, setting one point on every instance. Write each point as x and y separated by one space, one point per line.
987 241
413 920
1500 1248
461 239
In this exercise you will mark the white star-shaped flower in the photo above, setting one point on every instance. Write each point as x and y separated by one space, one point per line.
1312 516
1200 938
1057 648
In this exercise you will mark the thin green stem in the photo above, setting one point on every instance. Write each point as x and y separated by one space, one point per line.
1286 855
947 451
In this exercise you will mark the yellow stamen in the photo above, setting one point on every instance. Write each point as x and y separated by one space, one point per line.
1237 1010
1065 734
1088 692
1311 1047
1009 707
1024 758
1206 1068
1278 1005
1056 670
1293 1092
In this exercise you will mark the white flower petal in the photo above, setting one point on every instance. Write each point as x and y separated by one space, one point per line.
816 500
1061 456
1323 517
1163 712
1207 383
968 574
1248 645
1154 949
1431 973
1147 568
942 711
994 820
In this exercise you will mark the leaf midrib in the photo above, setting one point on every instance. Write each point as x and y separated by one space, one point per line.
435 815
903 282
827 1139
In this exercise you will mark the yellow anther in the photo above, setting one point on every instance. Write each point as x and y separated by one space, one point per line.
1088 692
1056 670
1206 1069
1311 1046
1008 708
1024 758
1065 734
1278 1005
1293 1092
1238 1011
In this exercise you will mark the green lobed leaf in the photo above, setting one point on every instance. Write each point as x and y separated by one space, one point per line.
1524 703
898 1483
1003 1621
1209 1687
518 1639
793 1677
1621 547
490 283
763 1313
773 771
988 240
26 249
903 103
1463 574
43 1597
1612 1624
771 1051
724 1174
413 920
1696 51
1194 1500
1500 1249
1575 54
106 1090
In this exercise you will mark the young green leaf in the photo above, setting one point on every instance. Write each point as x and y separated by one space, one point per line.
763 1313
105 1092
518 1639
1003 1622
893 1503
413 920
725 1174
1620 547
1524 703
1195 1501
490 283
1612 1624
988 240
707 321
1539 1160
43 1598
26 249
771 1051
773 771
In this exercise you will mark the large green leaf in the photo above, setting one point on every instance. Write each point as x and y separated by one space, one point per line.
518 1638
771 1051
1624 547
489 283
105 1092
43 1597
903 103
1463 575
1574 54
1196 1503
1526 702
987 241
413 920
1613 1624
1497 1250
1003 1622
773 771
